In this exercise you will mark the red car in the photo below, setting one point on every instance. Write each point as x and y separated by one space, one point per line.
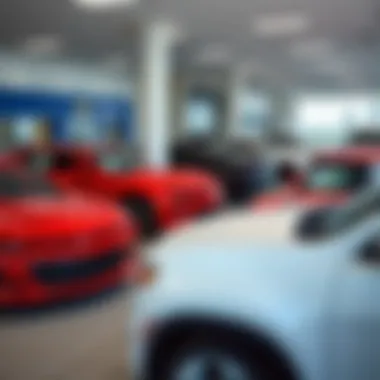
159 199
56 246
330 179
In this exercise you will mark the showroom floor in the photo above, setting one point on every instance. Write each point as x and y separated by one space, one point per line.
80 343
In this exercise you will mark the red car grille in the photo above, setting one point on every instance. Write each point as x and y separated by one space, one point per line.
54 273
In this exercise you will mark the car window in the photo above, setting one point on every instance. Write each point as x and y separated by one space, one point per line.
336 176
22 184
117 161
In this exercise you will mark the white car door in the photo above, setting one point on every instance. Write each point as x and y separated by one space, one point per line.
352 340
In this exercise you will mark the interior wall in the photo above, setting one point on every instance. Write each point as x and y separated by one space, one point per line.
332 118
21 71
77 100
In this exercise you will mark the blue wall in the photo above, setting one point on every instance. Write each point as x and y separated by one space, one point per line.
59 108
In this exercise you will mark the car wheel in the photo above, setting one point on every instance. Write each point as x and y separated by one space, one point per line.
144 215
215 358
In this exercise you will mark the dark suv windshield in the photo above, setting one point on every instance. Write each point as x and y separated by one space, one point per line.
22 184
336 176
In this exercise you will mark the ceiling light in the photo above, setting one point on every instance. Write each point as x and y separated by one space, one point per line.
281 24
42 45
104 4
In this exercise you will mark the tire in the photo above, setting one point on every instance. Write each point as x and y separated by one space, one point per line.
144 215
228 356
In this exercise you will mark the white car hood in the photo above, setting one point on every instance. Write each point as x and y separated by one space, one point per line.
274 227
246 267
242 248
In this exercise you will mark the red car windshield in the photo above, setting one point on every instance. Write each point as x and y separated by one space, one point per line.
117 161
37 161
14 184
336 176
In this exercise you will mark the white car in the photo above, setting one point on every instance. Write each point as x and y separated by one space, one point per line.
246 296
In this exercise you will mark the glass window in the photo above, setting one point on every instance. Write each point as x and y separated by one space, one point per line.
333 176
201 116
115 162
332 119
254 113
83 126
25 129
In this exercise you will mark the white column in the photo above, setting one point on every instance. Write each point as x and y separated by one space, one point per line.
281 103
154 119
236 87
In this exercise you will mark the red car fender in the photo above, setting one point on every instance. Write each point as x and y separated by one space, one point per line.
159 200
286 196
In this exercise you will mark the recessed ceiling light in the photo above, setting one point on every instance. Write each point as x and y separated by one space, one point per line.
104 4
43 45
280 24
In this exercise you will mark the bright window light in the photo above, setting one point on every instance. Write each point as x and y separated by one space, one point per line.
103 4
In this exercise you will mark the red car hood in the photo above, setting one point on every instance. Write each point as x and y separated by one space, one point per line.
299 197
58 215
163 177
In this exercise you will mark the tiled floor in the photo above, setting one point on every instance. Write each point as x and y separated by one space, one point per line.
76 344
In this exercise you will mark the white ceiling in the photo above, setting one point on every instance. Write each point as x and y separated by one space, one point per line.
82 32
340 47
